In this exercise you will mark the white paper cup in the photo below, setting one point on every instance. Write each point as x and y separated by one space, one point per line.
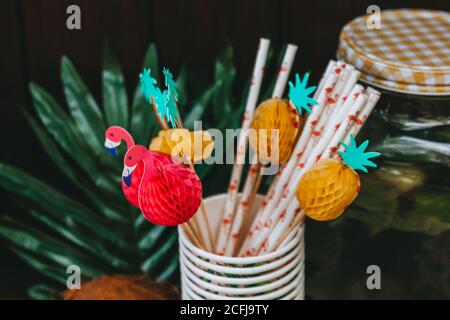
275 275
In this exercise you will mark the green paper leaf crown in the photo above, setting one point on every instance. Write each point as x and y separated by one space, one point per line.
165 102
356 157
299 94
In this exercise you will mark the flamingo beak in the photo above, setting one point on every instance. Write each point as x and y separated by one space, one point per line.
111 146
127 174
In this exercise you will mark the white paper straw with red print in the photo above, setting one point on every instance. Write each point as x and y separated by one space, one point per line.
235 179
254 175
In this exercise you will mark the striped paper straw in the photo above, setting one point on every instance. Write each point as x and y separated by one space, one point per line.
261 241
239 218
356 125
323 78
330 130
263 218
233 186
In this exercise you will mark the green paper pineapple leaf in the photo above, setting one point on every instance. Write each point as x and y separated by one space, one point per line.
356 157
299 94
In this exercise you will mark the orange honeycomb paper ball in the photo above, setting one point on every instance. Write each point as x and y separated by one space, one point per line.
199 144
327 189
274 114
159 143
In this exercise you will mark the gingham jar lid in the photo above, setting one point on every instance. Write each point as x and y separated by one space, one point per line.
410 53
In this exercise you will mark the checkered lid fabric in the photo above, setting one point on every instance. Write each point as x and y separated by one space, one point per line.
410 53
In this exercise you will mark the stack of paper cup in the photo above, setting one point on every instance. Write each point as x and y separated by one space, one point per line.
276 275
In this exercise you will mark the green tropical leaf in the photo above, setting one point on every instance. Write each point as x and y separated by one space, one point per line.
198 108
150 238
182 80
47 268
86 114
80 237
57 157
170 269
143 122
115 101
61 128
29 240
157 256
52 201
43 292
225 73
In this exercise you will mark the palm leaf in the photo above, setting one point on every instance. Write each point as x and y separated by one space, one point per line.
52 201
225 73
143 123
198 108
47 268
43 292
30 240
61 127
115 100
85 112
151 262
79 237
58 158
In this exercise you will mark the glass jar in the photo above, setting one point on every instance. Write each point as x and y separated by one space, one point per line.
401 219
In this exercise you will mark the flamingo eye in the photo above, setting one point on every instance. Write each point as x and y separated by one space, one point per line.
111 134
130 157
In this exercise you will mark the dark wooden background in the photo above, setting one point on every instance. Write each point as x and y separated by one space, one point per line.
33 36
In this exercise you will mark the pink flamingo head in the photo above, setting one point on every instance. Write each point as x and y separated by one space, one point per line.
132 157
114 136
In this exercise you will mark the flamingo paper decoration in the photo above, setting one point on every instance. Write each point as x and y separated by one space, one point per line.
113 138
169 193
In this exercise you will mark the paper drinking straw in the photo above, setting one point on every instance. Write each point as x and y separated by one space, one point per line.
246 214
335 122
373 97
263 215
285 69
233 186
254 171
331 104
345 127
270 193
290 194
298 219
243 206
285 222
331 64
262 219
334 101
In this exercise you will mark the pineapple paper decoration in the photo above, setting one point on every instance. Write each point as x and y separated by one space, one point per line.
199 144
284 115
274 114
331 185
